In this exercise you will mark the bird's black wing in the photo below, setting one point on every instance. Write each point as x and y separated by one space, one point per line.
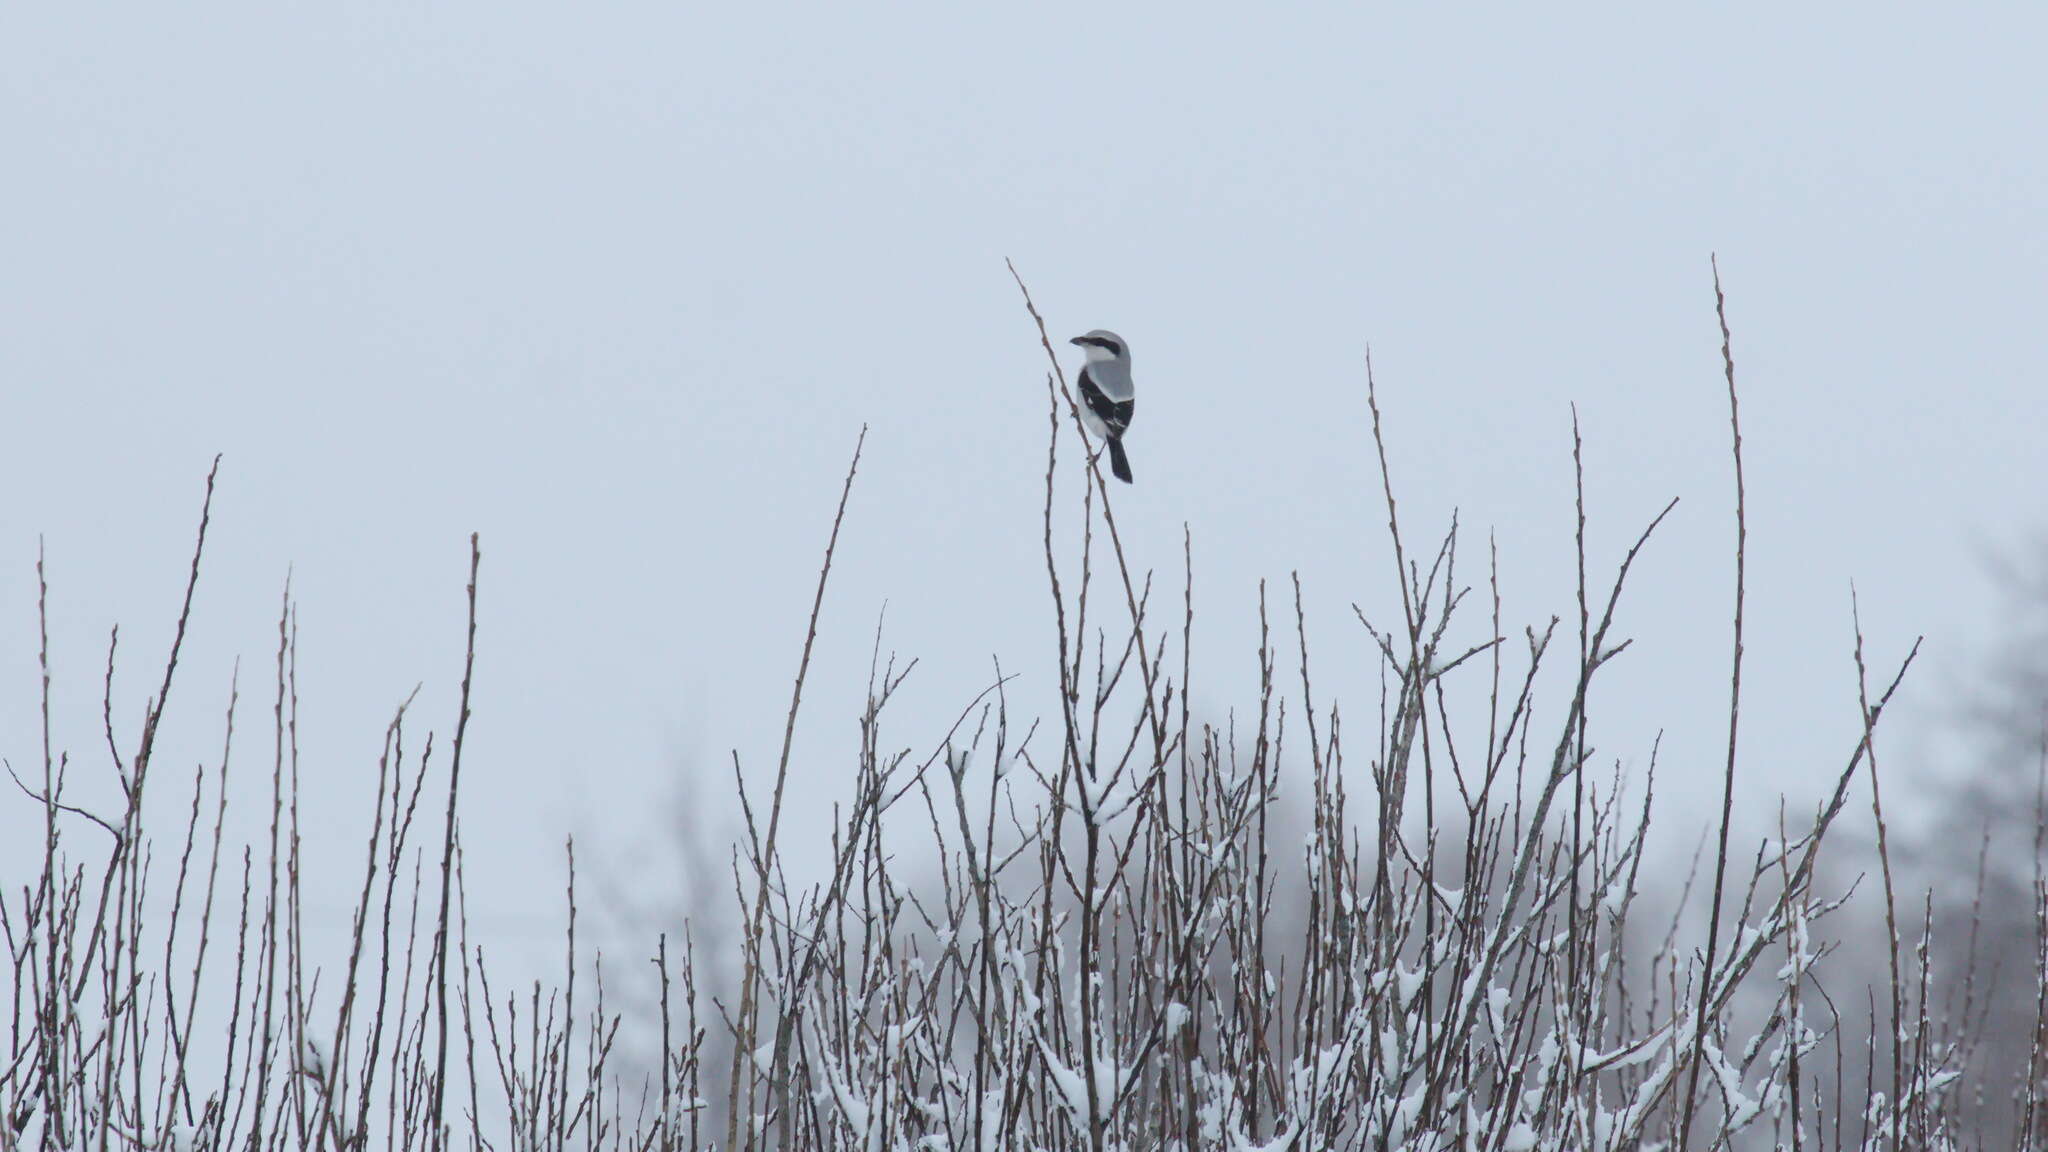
1114 414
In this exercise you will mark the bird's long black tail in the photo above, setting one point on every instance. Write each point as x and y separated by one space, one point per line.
1118 462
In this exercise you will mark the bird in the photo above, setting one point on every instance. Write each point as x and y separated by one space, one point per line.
1107 396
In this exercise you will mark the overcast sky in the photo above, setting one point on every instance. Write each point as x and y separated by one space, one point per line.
618 285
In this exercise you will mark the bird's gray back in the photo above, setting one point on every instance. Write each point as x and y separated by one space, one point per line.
1113 377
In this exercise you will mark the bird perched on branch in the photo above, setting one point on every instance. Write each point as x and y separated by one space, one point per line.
1107 396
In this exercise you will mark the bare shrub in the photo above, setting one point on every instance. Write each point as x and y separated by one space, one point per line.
1123 946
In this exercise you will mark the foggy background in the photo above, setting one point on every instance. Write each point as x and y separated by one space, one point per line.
617 287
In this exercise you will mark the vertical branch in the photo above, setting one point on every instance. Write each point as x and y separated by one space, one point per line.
748 1020
435 1137
1884 859
48 1036
263 1031
1576 945
131 785
1699 1039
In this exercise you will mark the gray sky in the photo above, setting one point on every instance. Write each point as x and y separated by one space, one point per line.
618 285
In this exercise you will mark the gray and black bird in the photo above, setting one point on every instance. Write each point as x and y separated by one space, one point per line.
1107 395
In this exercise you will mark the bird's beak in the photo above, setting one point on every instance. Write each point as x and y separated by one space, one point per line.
1078 340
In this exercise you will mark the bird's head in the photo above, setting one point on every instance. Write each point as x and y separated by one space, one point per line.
1102 344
